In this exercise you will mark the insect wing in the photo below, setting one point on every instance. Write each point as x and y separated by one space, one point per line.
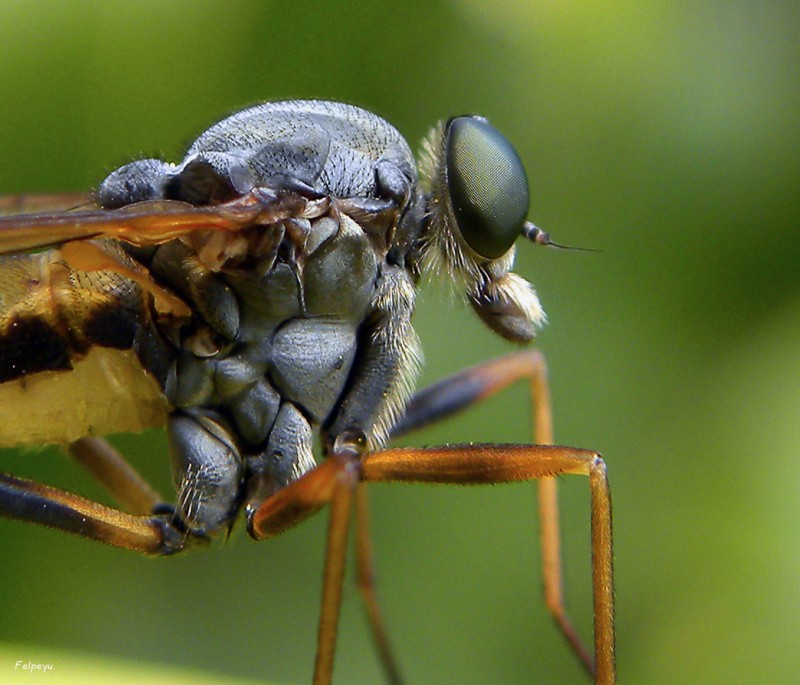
147 223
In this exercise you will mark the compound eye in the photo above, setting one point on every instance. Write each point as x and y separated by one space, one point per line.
487 185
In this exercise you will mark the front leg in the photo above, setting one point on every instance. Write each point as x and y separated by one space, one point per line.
381 382
388 360
477 464
333 482
470 386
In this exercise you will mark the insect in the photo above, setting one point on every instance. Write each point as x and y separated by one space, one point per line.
261 292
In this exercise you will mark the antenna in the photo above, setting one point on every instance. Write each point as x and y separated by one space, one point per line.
540 237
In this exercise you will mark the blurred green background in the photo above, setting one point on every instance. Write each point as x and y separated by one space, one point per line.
666 134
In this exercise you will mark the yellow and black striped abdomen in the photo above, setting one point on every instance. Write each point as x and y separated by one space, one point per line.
79 354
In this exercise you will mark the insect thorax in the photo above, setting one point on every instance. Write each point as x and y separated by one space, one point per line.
282 341
282 331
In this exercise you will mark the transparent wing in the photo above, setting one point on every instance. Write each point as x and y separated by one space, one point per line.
144 223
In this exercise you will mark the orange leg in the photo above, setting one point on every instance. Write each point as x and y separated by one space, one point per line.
138 528
333 482
303 498
470 386
490 463
365 576
336 479
109 468
32 502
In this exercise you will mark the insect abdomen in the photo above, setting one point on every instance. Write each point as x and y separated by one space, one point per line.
73 340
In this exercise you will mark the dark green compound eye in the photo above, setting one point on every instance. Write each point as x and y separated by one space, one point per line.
487 184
